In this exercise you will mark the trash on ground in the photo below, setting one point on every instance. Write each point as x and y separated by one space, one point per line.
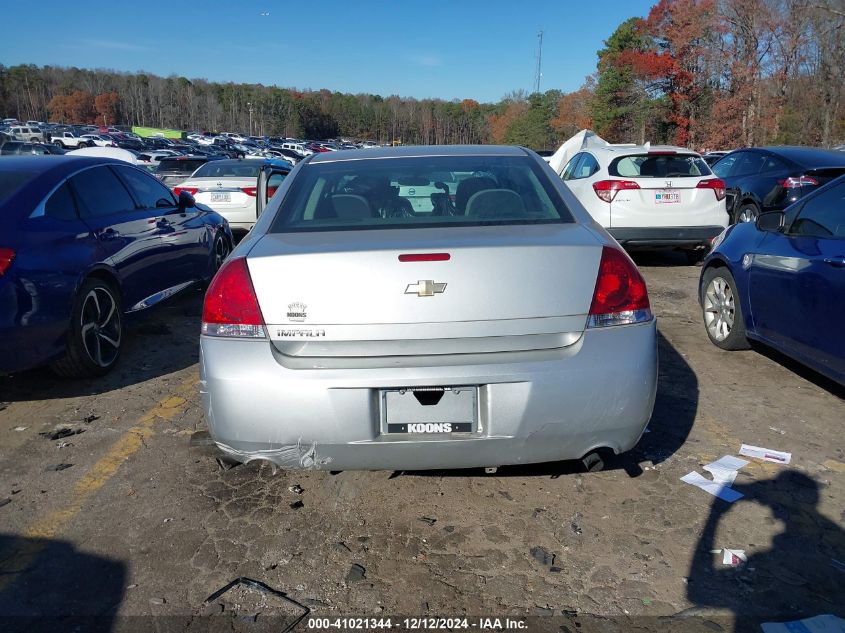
819 624
21 428
296 505
296 489
58 467
4 502
734 557
724 470
766 454
60 433
64 444
777 430
356 572
88 419
244 599
542 556
721 491
646 601
158 601
225 463
427 520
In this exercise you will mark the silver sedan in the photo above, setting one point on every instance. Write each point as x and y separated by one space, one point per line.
495 324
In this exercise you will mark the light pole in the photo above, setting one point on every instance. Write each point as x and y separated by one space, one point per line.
249 107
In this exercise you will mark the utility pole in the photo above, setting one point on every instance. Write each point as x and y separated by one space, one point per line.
249 107
539 63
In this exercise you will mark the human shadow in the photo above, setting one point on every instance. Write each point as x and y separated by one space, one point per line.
49 585
795 578
675 408
157 342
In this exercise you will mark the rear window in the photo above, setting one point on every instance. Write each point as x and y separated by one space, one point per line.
222 169
420 192
658 166
180 166
11 181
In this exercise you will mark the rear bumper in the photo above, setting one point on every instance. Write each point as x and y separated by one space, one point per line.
596 393
665 236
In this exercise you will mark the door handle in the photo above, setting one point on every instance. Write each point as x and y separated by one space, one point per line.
839 262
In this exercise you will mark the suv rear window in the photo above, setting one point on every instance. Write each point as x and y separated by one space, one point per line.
658 166
411 192
179 165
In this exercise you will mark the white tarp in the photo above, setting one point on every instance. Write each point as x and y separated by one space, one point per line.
573 146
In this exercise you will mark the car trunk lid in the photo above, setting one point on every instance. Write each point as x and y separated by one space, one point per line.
502 288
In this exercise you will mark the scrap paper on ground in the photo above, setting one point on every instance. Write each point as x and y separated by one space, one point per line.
723 492
767 454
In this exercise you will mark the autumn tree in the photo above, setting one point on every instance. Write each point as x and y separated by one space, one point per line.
77 107
107 106
573 113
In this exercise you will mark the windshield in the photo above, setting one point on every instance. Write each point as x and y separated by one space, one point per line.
223 169
420 192
659 166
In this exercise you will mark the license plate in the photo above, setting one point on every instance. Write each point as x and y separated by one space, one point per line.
221 197
667 197
430 410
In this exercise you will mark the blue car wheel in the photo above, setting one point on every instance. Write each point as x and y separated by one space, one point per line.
95 334
722 311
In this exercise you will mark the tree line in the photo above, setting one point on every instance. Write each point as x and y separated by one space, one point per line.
707 74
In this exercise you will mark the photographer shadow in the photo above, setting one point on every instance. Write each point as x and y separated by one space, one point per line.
795 578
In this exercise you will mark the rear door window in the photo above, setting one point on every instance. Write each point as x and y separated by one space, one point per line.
572 166
61 205
100 193
749 164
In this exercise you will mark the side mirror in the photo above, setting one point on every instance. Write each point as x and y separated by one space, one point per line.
771 221
186 200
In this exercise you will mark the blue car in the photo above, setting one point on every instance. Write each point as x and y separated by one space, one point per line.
781 281
85 241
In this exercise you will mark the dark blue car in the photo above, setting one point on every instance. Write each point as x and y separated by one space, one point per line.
781 281
83 242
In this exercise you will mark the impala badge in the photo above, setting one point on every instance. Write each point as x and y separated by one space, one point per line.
425 288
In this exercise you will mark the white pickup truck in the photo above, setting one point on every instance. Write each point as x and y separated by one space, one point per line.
69 139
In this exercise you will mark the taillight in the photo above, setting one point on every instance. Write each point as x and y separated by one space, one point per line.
190 190
606 189
250 191
796 182
716 184
6 257
231 308
620 297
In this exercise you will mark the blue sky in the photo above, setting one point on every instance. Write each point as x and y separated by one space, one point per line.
438 48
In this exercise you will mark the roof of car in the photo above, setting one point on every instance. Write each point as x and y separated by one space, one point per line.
808 156
408 151
58 166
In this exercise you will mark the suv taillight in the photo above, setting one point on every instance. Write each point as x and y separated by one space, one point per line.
796 182
6 257
606 189
231 308
716 184
620 297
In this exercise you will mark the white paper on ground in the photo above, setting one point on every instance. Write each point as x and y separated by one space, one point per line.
820 624
724 469
767 454
723 492
734 557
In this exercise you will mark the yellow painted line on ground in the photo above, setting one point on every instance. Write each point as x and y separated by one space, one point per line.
37 535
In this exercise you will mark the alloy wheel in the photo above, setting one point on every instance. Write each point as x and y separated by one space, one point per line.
100 326
719 309
221 252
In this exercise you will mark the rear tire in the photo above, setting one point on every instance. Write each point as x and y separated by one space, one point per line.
747 212
219 252
95 334
722 310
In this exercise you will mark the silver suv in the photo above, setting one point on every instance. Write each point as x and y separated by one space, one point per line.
31 134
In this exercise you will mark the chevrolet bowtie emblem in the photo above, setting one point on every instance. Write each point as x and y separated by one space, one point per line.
425 288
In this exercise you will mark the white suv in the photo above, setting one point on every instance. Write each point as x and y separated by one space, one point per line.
649 196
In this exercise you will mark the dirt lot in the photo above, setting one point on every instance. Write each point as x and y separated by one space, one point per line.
132 517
